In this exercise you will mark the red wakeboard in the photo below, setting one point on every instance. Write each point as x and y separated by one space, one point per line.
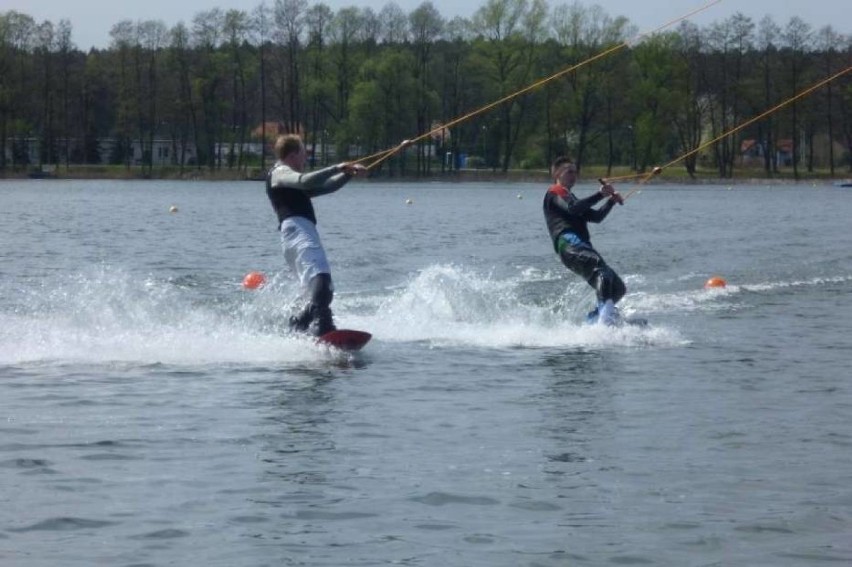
345 339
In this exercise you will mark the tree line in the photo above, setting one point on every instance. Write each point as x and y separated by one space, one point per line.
357 81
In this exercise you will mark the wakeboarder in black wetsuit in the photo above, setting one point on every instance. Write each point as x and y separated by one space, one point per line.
567 221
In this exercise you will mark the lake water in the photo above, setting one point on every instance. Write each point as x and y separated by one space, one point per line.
153 412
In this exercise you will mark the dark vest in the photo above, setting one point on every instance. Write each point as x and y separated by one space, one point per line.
288 202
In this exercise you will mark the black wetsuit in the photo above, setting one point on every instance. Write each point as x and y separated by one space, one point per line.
567 221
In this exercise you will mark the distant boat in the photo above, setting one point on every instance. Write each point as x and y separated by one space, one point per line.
847 183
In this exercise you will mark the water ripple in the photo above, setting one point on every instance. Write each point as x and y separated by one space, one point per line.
443 498
169 533
63 524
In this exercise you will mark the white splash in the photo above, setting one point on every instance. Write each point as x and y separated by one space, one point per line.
108 316
452 305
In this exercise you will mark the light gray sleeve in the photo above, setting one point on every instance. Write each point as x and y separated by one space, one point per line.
315 183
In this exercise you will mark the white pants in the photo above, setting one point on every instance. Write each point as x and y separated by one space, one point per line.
302 249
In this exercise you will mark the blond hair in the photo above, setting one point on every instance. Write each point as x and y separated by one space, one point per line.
287 144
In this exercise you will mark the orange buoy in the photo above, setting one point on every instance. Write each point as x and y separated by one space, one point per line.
254 280
715 281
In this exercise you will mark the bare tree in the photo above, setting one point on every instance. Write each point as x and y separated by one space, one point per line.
236 28
289 18
729 41
64 48
371 29
152 38
797 37
343 32
394 24
260 32
207 29
122 37
767 45
45 47
827 41
689 116
185 115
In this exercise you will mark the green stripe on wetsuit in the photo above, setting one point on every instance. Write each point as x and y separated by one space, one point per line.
569 239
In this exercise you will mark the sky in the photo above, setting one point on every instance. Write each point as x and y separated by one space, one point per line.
91 20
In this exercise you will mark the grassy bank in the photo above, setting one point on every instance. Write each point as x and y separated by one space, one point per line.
672 175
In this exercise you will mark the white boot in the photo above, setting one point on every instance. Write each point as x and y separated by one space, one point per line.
608 313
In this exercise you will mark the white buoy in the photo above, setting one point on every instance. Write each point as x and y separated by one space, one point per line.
173 209
408 201
520 196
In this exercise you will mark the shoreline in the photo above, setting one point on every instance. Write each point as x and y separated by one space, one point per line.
464 176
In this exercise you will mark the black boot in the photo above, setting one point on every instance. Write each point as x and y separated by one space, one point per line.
300 323
323 321
316 317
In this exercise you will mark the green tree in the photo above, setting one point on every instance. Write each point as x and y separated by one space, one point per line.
320 90
507 33
455 77
845 105
122 35
19 116
45 49
366 81
208 79
64 49
587 111
6 83
383 101
425 25
96 101
183 113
